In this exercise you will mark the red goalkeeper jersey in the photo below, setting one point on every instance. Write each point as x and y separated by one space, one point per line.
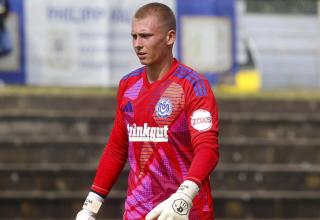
168 130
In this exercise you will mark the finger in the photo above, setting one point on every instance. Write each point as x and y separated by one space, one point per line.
166 216
163 217
154 213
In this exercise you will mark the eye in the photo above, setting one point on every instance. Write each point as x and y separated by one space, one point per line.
134 36
145 36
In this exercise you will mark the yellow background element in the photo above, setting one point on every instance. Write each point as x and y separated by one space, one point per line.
246 81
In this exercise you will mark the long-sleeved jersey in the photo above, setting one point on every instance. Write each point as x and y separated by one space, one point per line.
169 132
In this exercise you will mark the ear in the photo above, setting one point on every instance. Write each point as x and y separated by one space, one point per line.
171 37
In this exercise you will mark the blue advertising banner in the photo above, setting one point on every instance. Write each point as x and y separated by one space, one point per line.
12 59
40 45
207 37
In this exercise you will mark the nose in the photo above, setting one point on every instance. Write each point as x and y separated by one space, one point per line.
137 43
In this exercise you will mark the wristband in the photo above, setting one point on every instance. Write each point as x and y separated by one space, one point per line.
93 203
189 188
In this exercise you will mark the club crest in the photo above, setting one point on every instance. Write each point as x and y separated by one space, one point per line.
164 108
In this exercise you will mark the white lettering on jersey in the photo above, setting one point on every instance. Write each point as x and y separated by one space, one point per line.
147 134
201 120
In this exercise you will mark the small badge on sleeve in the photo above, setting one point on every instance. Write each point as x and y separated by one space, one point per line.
201 120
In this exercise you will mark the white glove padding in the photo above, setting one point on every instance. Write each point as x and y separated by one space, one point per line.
178 205
90 207
85 215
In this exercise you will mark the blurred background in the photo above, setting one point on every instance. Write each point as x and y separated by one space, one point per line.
60 64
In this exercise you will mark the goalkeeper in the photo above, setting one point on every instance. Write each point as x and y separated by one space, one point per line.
166 125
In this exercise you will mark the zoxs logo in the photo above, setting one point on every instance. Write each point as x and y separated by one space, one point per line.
164 108
201 120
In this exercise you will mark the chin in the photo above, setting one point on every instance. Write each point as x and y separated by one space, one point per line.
145 62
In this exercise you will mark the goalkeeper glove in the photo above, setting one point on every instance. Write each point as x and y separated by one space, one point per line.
178 205
90 207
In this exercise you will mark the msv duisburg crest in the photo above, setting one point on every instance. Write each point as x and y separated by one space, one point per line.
164 108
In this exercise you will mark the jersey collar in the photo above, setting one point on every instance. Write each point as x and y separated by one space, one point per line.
173 67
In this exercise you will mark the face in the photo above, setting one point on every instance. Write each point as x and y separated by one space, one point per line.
151 42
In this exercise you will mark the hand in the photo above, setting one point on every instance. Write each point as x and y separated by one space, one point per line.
90 207
178 205
85 215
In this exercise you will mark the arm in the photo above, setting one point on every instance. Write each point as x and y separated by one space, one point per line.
110 166
203 125
113 159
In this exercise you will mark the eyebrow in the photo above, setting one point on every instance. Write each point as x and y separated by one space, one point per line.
142 34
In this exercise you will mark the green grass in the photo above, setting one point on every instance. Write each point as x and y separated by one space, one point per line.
98 91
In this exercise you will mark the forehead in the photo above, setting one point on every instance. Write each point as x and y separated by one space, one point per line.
147 24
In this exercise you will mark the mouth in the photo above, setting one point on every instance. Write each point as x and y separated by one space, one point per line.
141 55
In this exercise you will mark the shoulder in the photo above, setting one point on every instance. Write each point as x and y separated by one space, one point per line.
192 80
128 81
131 77
133 74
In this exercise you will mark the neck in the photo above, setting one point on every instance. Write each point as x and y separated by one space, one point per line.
157 71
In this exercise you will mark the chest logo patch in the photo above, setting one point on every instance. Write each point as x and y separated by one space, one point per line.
201 120
164 108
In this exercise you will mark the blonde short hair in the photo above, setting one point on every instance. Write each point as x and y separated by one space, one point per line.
161 11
